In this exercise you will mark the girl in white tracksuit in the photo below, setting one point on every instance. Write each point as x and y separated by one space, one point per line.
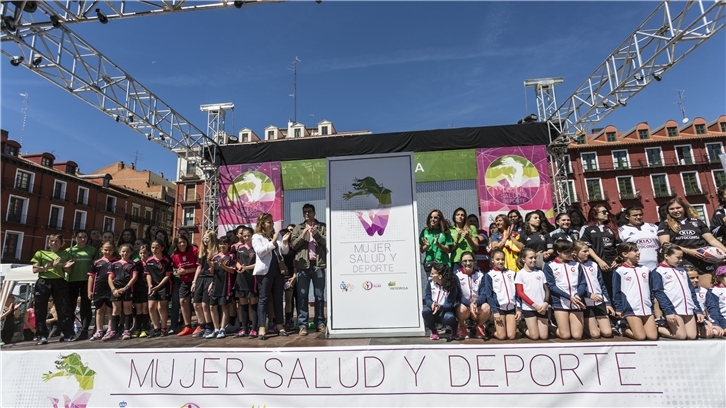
597 304
568 288
716 298
707 329
676 295
471 304
501 295
631 294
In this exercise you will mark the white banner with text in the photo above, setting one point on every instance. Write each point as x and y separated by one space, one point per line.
565 374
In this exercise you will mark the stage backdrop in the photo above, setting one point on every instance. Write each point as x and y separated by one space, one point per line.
592 374
513 178
246 191
373 267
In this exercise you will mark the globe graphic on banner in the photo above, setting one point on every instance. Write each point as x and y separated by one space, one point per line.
512 180
254 190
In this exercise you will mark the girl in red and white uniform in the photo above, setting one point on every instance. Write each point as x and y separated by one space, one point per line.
716 298
471 303
676 295
568 288
706 329
501 295
532 295
597 304
631 294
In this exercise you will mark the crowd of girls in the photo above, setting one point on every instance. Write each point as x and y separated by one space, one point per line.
639 280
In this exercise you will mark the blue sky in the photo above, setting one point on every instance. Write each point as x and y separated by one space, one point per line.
381 66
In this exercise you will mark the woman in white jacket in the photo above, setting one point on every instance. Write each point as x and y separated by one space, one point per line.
269 247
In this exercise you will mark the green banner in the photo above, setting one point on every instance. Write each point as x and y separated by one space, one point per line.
445 165
303 174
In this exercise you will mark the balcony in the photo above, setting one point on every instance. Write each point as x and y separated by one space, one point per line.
590 169
133 218
59 196
630 196
83 202
19 218
597 196
663 193
694 191
188 223
56 225
79 226
18 185
103 206
190 199
185 176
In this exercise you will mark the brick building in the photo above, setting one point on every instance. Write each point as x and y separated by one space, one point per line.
647 166
41 196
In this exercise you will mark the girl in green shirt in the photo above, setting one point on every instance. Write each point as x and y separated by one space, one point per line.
435 243
465 236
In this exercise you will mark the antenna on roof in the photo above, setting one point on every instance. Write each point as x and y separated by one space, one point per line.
681 104
26 97
294 87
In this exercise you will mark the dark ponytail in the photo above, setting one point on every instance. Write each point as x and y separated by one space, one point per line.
667 249
523 254
448 282
624 248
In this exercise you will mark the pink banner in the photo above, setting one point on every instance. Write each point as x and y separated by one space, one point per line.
248 190
513 178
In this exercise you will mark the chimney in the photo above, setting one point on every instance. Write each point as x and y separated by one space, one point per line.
120 165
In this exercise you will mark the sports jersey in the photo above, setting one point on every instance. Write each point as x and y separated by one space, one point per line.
537 241
631 290
121 272
204 263
602 240
646 237
99 272
674 291
83 258
701 297
158 269
565 280
186 260
690 235
571 235
716 305
246 256
436 293
499 290
462 245
222 285
44 257
434 253
533 286
482 255
718 228
470 287
595 283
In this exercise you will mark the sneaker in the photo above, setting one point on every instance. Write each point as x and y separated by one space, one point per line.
454 335
240 333
81 335
152 334
321 328
197 330
434 336
253 334
110 335
620 327
222 334
126 335
211 335
143 334
289 325
480 333
42 340
198 334
98 335
185 331
522 327
463 332
135 333
165 332
661 322
303 331
64 339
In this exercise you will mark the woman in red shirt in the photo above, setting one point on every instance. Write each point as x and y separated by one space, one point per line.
184 261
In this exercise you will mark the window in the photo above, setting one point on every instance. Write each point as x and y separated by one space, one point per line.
110 204
147 215
17 209
191 167
700 129
190 192
188 220
701 211
297 132
47 162
684 155
59 190
106 182
79 220
568 163
654 156
270 134
620 159
324 130
691 184
55 220
580 140
714 150
245 137
11 150
611 136
719 178
723 127
82 196
24 181
71 170
135 210
626 189
660 185
571 192
12 245
594 189
589 161
643 134
108 224
672 131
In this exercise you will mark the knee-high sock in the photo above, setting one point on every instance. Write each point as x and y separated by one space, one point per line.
128 319
255 324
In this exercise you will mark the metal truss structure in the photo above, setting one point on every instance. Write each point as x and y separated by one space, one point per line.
670 33
46 46
216 114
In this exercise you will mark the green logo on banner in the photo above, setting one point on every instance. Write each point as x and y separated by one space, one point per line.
445 165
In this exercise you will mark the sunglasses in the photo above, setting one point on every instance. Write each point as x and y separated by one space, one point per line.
434 217
467 261
604 212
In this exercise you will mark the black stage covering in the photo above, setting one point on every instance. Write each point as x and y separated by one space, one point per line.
417 141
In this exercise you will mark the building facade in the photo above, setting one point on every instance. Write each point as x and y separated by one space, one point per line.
648 166
41 197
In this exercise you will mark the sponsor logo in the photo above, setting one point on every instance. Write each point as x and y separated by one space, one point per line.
346 287
669 277
190 405
509 276
644 275
373 221
368 285
539 278
392 286
122 404
628 278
